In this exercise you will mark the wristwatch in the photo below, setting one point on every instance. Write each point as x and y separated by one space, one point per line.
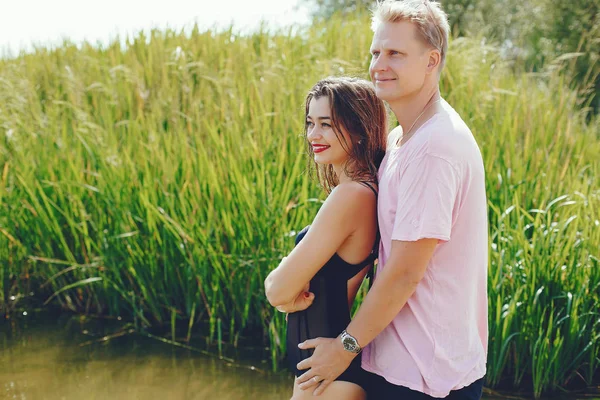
350 343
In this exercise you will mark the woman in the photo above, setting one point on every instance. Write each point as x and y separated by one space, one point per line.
346 129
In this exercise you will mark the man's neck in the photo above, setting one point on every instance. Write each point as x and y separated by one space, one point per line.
407 110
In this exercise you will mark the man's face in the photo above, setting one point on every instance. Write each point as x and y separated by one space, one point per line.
398 61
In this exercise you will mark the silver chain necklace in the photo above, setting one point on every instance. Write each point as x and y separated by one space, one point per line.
399 141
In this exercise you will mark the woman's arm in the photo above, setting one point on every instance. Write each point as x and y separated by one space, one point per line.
335 221
302 301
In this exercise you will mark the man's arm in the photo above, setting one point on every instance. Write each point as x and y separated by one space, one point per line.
391 290
394 285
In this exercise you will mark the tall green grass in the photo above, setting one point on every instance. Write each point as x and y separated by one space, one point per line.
161 180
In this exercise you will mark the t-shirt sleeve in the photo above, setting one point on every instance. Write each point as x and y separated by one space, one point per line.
427 194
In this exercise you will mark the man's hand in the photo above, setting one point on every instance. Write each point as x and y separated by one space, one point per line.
301 302
328 361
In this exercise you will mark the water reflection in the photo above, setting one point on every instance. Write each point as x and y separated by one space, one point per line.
42 359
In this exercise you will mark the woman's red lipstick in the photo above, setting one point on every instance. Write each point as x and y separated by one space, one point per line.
317 148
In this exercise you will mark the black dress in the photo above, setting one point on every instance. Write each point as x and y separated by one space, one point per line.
329 313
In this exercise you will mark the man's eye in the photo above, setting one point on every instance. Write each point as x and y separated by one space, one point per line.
375 54
394 52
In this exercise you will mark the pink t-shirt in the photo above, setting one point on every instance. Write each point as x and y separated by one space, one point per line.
433 187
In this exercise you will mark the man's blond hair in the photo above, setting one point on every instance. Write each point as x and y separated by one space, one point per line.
429 18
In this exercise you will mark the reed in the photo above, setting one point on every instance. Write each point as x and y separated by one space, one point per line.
161 179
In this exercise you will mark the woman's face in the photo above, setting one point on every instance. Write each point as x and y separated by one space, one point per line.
320 134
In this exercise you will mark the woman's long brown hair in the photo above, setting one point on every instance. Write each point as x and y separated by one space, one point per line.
356 109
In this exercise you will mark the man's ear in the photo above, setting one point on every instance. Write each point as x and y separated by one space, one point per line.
435 58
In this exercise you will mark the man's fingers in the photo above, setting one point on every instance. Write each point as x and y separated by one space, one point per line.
306 377
310 344
314 381
308 385
305 364
321 388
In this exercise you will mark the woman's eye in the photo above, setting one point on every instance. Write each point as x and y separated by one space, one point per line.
325 125
309 124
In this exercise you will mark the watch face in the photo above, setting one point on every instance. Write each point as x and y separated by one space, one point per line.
350 344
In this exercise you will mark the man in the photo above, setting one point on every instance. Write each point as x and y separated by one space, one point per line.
423 324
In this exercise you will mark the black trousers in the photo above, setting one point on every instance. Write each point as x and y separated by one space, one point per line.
380 389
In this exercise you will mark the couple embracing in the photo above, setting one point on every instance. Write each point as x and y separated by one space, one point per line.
413 199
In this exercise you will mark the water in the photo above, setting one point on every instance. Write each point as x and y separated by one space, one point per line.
41 357
48 357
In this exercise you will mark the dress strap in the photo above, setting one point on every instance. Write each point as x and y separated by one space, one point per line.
369 185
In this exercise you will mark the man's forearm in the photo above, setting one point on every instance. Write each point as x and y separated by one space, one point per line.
383 302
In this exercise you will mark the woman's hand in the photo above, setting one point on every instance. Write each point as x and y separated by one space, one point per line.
302 301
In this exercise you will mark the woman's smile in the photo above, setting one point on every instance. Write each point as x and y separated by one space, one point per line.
318 148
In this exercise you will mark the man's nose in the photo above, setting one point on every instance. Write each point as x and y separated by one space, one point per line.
378 64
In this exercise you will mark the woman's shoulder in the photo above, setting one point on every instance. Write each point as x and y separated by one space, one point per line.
354 191
351 197
337 215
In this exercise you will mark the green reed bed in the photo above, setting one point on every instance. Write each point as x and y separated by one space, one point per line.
162 179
